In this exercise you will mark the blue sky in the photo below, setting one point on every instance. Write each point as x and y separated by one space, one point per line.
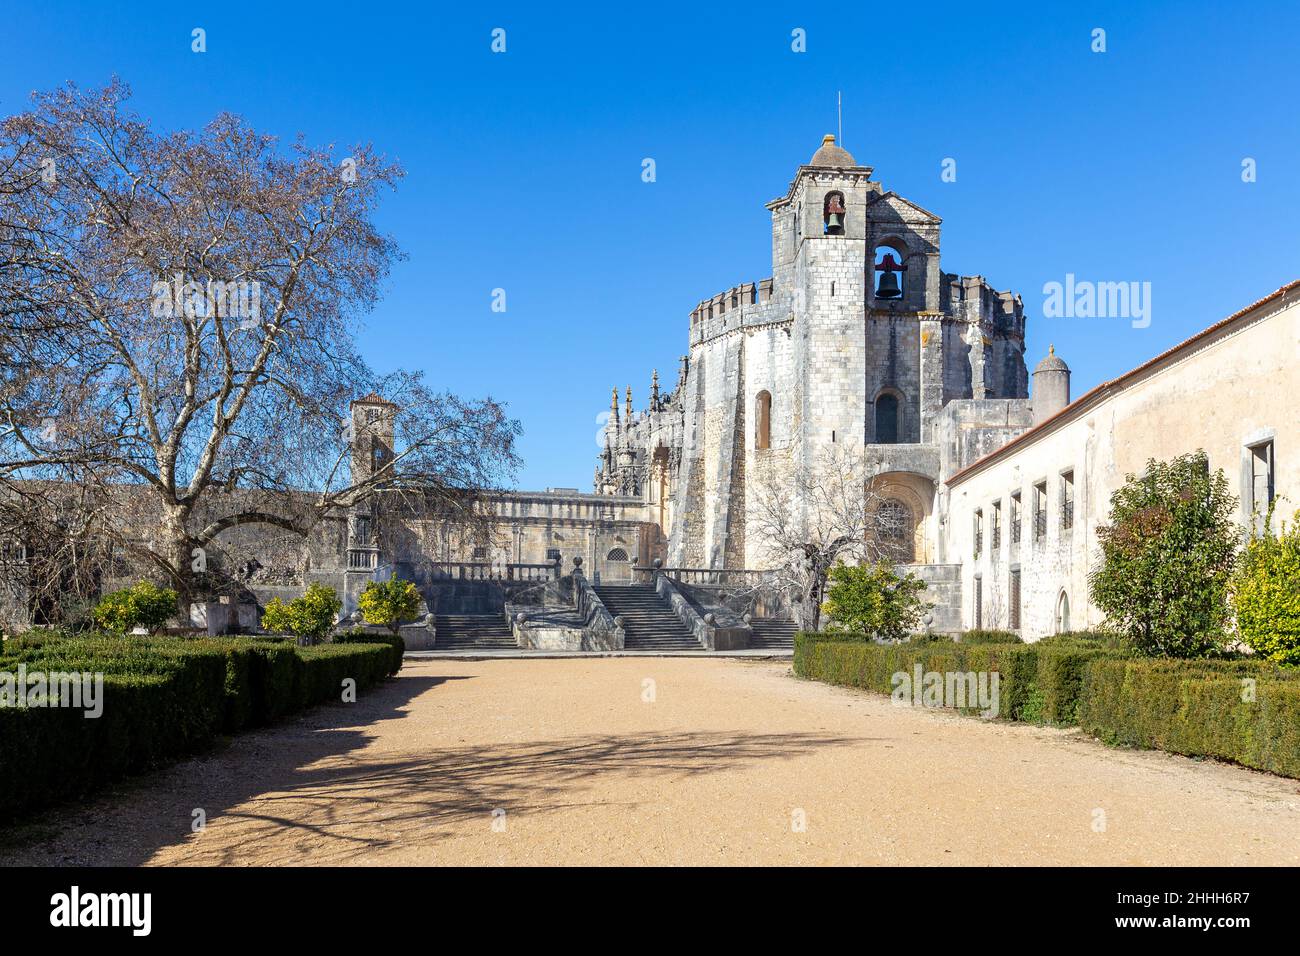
524 168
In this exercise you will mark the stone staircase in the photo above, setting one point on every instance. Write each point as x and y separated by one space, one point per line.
772 634
648 621
472 632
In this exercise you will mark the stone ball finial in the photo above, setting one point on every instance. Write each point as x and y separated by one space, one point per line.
618 621
658 563
521 617
709 619
747 618
577 563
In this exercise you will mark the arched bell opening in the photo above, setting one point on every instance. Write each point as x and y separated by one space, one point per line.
890 271
834 214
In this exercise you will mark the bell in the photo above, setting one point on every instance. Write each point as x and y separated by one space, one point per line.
889 287
835 223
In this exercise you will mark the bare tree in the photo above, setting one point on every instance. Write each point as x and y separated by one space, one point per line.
178 316
816 515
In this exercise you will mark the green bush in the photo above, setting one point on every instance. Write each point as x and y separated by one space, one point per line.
163 698
875 599
1200 709
1167 556
1266 593
854 661
141 605
309 618
989 637
326 666
389 603
1193 707
395 643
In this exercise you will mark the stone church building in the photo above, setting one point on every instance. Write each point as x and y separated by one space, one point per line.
860 336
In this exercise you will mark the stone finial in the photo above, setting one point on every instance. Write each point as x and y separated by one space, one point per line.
613 404
654 388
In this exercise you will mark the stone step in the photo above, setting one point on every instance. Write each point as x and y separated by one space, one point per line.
472 631
648 620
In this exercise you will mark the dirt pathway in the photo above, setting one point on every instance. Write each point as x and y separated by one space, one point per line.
666 761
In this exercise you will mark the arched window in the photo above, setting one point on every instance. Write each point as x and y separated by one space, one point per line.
896 532
833 214
617 554
1063 613
891 269
887 419
763 420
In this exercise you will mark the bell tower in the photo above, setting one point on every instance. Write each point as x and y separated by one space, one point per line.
819 263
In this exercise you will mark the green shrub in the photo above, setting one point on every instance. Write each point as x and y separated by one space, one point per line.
1198 709
989 637
856 662
1193 707
141 605
929 638
389 603
395 643
326 666
873 599
163 698
1266 593
309 618
1167 556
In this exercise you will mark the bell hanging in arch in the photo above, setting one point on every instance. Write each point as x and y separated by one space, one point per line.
889 288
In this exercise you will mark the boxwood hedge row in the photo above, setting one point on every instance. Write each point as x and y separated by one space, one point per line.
1241 710
162 698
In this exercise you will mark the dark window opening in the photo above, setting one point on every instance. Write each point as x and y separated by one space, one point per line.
887 420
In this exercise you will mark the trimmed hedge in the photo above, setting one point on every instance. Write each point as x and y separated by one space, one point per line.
163 698
1187 707
1198 709
395 643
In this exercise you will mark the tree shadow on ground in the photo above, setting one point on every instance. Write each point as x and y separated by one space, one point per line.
323 798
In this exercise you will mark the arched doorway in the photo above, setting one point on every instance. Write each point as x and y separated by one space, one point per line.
1062 613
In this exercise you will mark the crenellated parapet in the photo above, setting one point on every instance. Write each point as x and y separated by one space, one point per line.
743 306
973 300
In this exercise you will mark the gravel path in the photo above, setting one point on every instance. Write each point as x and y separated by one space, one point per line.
666 761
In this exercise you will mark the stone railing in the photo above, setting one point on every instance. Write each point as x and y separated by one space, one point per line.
499 571
722 577
602 631
713 635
